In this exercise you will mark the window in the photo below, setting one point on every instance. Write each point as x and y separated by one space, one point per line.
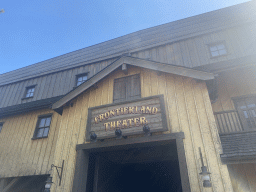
1 126
80 79
126 88
218 49
246 108
43 126
29 91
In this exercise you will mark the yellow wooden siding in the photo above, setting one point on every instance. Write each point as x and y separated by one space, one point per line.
188 110
234 83
21 156
193 52
243 177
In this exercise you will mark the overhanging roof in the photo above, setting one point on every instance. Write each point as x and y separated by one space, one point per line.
238 147
27 107
167 68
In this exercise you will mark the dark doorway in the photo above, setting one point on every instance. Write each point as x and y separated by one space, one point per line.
147 169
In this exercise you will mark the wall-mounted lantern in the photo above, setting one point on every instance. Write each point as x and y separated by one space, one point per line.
118 133
93 136
49 182
205 174
146 130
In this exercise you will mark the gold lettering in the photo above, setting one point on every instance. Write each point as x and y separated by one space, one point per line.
122 110
143 109
131 110
130 121
125 110
125 124
112 113
143 120
136 121
96 119
117 112
112 125
148 110
136 109
101 117
106 126
106 115
154 110
118 124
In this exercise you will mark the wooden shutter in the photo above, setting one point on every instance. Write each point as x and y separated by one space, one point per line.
127 88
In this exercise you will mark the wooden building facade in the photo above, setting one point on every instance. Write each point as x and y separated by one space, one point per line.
153 98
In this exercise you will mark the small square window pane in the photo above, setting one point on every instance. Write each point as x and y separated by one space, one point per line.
80 79
223 52
42 122
213 48
48 121
221 46
79 83
28 95
40 132
84 78
215 53
46 130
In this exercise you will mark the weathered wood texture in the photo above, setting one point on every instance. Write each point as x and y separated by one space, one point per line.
190 52
21 156
188 109
234 83
243 177
47 86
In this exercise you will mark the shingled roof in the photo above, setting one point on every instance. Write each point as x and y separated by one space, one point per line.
140 40
30 106
238 147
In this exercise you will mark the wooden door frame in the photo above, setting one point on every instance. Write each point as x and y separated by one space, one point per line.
84 150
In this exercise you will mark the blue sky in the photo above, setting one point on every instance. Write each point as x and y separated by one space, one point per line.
33 31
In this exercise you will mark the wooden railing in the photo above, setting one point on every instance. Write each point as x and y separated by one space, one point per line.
228 121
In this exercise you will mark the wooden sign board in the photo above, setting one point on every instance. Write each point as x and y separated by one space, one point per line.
129 116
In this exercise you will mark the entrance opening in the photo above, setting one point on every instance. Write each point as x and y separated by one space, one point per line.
148 169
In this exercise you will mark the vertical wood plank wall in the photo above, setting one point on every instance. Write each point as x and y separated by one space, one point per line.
21 156
243 177
190 52
47 86
235 83
188 110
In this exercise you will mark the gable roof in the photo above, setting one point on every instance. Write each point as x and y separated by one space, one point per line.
140 40
167 68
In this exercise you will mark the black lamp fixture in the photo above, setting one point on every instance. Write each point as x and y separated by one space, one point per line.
49 182
146 130
118 133
205 174
93 136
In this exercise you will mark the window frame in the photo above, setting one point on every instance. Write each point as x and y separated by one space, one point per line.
26 91
80 75
1 126
127 98
240 112
215 44
37 126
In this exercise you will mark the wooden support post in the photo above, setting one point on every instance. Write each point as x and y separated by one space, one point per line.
124 68
81 169
11 184
3 183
